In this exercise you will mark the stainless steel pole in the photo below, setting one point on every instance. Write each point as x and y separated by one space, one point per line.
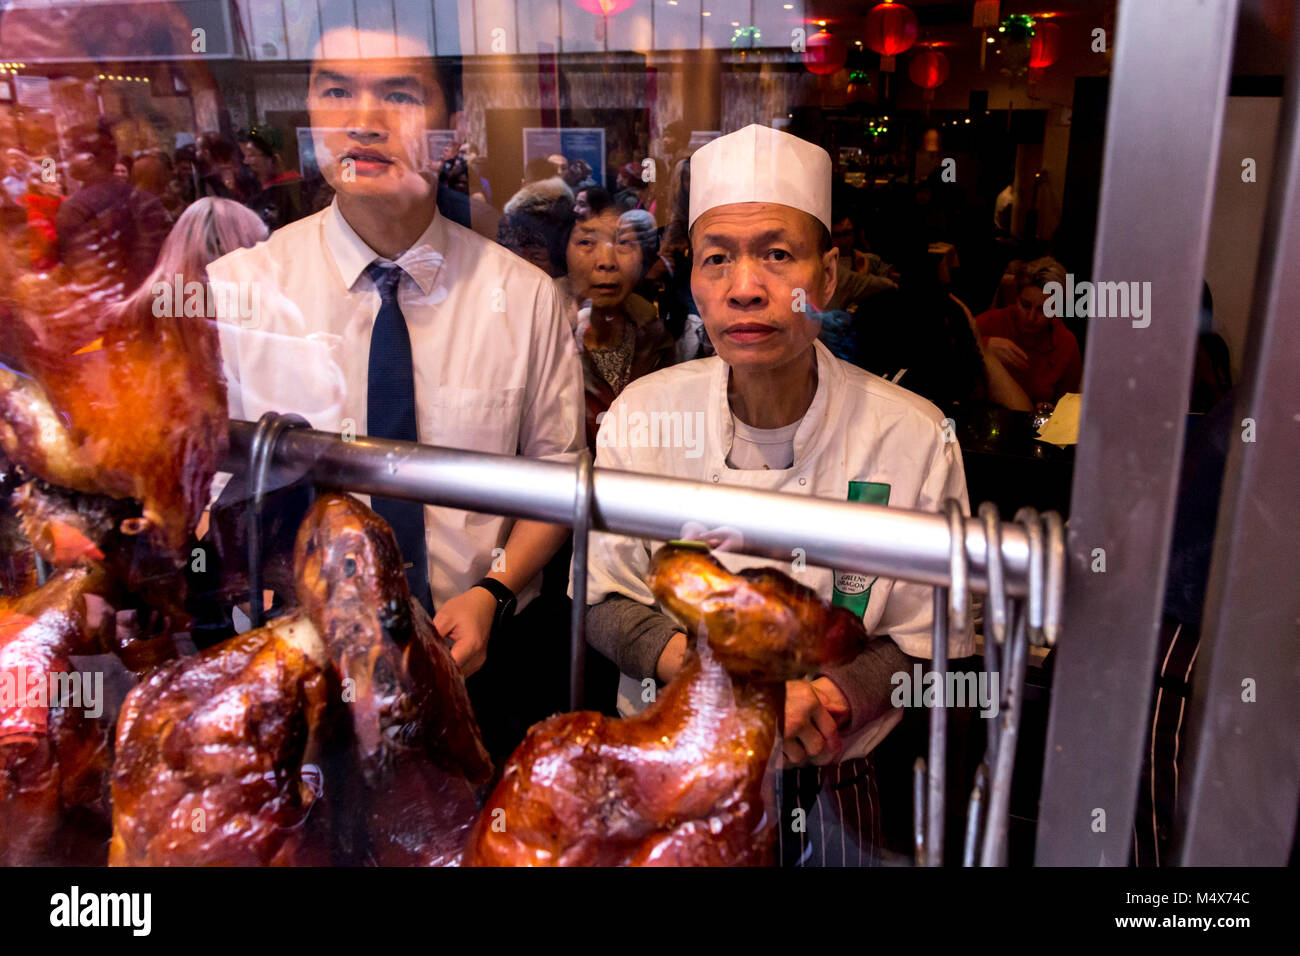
850 536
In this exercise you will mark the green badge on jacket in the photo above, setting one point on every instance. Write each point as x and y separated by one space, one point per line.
853 589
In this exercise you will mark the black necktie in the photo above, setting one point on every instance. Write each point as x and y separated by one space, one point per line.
390 413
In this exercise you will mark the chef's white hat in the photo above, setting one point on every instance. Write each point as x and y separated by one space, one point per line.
761 164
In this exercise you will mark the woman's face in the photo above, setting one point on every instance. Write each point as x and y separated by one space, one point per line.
580 204
1030 317
604 260
262 165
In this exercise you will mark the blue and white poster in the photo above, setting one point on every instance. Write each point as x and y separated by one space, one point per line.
585 143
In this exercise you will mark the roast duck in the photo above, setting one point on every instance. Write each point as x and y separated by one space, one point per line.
111 403
339 734
686 782
112 422
54 749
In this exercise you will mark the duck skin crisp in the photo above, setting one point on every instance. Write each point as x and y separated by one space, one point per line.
54 739
416 753
686 781
104 400
340 734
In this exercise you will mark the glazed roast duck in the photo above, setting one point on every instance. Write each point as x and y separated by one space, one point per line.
112 422
686 782
339 734
54 752
103 400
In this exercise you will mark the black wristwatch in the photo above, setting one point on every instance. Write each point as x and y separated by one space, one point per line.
505 600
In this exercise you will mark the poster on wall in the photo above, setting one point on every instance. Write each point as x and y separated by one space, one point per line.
436 142
585 143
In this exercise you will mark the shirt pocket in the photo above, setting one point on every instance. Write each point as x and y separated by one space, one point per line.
472 419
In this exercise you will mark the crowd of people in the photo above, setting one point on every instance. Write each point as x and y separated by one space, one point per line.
900 319
823 345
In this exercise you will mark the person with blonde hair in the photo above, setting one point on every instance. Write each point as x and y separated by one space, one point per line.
1041 354
208 229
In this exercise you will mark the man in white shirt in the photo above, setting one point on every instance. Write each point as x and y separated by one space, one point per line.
380 316
774 410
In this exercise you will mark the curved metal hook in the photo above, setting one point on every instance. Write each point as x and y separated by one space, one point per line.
578 615
959 586
996 601
1029 519
1055 596
995 830
261 451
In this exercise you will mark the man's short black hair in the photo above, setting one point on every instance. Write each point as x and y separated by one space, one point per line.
342 15
598 200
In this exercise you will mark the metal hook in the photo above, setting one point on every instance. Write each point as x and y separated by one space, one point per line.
975 815
951 606
918 811
1055 596
995 830
959 587
269 429
937 763
997 650
578 615
1028 519
996 602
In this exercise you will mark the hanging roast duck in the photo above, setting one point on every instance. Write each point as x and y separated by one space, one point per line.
686 782
341 733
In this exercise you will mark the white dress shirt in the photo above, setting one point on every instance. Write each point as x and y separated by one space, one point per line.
859 433
496 368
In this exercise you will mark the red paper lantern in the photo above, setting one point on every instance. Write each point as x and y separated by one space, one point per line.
928 69
825 53
1045 45
604 8
891 29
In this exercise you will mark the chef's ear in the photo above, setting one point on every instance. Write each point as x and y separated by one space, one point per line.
830 274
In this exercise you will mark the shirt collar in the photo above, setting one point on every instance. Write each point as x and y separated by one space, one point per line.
421 262
810 435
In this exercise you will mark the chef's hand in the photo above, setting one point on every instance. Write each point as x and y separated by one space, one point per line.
814 711
466 621
1009 353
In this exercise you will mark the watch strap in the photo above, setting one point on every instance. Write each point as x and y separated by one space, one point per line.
498 590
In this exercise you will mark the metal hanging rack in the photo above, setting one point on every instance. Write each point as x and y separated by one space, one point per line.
1019 565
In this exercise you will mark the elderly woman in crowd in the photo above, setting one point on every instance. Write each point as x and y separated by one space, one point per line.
619 334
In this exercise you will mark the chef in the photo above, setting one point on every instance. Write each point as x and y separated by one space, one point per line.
379 316
778 412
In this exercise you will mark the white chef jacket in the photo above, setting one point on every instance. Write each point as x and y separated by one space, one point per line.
496 368
861 436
